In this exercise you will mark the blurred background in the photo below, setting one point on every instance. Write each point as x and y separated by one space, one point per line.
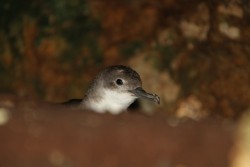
194 54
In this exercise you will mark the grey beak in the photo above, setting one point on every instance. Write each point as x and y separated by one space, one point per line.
140 93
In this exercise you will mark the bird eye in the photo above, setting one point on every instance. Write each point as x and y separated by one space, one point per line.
119 82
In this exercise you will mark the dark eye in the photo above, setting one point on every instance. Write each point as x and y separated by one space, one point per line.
119 82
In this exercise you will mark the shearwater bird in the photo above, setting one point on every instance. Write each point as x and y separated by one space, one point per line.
113 90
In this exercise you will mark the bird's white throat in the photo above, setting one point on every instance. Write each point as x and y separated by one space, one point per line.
111 101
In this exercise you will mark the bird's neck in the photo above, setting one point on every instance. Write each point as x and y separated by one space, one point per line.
108 101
